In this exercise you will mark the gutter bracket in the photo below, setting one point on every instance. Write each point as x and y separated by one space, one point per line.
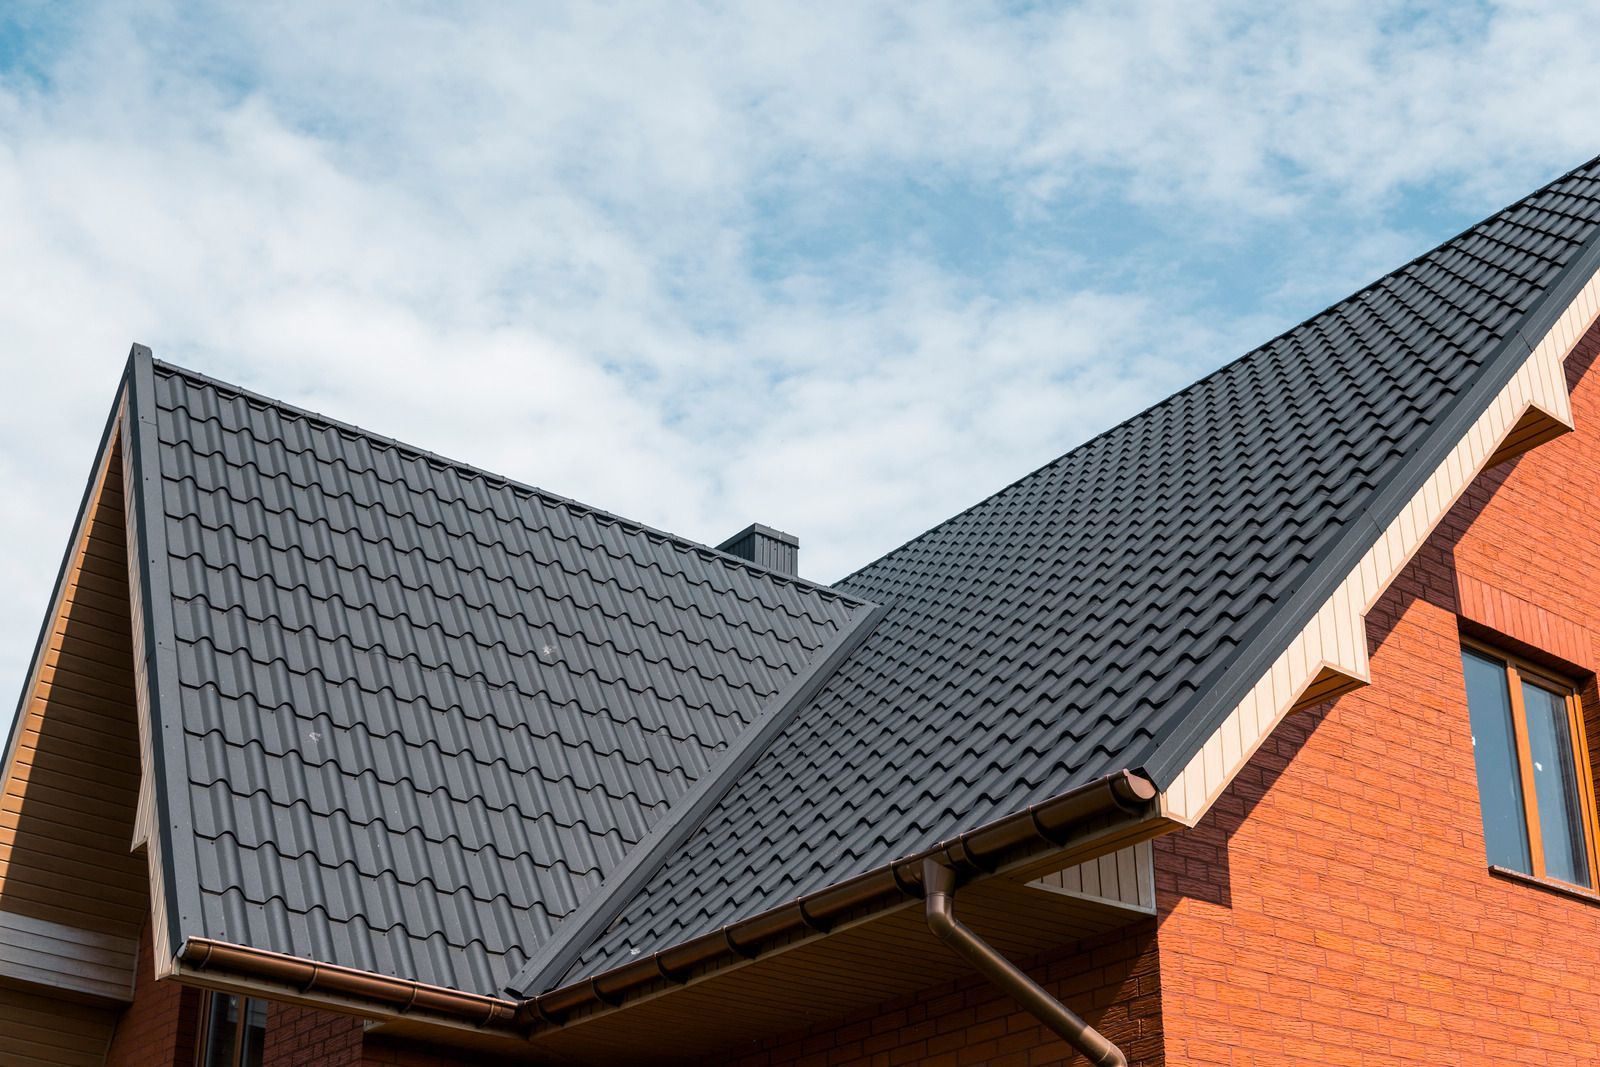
939 886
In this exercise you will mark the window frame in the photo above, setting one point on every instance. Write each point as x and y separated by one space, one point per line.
240 1026
1518 668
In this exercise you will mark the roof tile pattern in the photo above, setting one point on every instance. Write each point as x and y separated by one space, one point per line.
1057 631
426 710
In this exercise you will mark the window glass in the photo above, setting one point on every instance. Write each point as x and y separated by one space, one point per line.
255 1033
1555 785
1494 749
222 1028
227 1040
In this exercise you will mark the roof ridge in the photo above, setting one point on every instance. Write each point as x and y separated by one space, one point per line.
699 548
1089 442
1214 697
574 933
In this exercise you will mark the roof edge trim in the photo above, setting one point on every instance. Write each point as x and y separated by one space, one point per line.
1097 817
149 553
1233 676
1223 369
1335 640
699 548
577 932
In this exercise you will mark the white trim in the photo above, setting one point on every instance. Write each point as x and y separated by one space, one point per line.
144 825
1335 640
1122 879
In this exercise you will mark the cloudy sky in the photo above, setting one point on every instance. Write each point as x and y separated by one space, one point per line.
839 268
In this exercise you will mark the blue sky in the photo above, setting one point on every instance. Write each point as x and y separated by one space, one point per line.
838 268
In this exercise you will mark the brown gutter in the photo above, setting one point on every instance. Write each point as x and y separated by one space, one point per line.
939 887
982 850
399 995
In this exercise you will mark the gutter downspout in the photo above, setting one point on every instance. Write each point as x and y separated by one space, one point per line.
984 850
939 886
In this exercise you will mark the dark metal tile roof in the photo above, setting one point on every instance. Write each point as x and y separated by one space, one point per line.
1106 611
414 713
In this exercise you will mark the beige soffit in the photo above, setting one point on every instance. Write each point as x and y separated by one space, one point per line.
1121 879
1329 656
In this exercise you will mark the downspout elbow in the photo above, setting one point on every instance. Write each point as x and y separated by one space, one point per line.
938 884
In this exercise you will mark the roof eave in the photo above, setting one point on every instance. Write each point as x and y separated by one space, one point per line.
1098 817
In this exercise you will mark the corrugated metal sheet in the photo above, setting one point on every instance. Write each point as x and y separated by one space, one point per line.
1110 609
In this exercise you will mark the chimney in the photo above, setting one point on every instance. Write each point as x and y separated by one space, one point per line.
765 547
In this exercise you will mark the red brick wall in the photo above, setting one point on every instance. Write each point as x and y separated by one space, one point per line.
158 1028
1110 980
1335 907
306 1036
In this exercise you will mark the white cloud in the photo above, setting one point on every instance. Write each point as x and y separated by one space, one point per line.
651 257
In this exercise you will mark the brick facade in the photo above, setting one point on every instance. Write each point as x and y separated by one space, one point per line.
301 1037
158 1028
1111 980
1335 907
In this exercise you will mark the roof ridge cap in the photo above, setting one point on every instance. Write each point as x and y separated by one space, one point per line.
1224 368
699 548
580 928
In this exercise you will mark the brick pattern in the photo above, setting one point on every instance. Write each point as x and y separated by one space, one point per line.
1335 906
1111 980
158 1028
1484 602
303 1037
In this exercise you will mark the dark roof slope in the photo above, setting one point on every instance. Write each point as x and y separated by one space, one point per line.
414 712
1108 610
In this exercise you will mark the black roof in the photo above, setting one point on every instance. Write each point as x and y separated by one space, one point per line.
1109 610
424 710
420 720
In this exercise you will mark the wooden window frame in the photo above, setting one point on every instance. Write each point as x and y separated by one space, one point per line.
1518 668
240 1025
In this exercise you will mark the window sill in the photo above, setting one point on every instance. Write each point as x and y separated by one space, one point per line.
1576 892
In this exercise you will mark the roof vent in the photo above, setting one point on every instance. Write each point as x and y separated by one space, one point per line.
765 547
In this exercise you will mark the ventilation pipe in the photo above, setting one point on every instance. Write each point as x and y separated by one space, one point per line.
939 887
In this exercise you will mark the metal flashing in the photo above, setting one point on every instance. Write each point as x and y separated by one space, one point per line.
176 837
546 968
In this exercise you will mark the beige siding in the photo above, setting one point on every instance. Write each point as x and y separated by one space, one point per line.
1330 654
146 838
1124 879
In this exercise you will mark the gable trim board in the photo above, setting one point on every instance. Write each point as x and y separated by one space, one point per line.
1231 680
159 699
1329 655
552 961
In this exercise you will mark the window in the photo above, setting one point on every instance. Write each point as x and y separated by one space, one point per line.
233 1031
1533 768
